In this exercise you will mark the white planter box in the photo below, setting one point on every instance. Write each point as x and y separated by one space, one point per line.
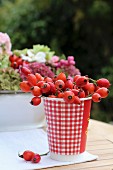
16 113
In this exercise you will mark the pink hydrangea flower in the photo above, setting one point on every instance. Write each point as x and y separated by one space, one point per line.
55 59
5 43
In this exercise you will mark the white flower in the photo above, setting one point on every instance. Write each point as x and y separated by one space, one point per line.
40 57
30 54
26 58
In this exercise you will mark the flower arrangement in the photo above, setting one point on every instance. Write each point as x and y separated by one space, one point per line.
40 59
71 91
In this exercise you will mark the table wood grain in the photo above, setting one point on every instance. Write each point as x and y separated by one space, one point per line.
99 142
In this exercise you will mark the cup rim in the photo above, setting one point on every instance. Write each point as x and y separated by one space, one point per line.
60 99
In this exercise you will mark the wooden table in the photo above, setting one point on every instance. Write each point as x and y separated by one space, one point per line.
100 142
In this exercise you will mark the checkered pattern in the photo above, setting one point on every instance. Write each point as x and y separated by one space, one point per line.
64 126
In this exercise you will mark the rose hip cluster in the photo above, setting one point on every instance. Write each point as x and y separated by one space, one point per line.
61 87
16 61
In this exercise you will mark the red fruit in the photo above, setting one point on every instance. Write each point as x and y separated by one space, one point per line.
69 97
75 91
40 83
35 101
90 87
13 58
69 84
103 91
96 97
77 100
48 79
81 81
54 78
52 87
36 158
27 155
103 83
76 77
24 86
25 71
39 77
32 80
36 91
19 61
52 96
59 84
45 88
62 77
81 94
14 65
60 95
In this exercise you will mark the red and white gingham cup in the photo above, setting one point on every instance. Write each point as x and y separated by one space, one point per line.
66 127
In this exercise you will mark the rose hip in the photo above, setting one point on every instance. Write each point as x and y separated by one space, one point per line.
96 97
27 155
103 91
81 81
103 83
69 97
36 158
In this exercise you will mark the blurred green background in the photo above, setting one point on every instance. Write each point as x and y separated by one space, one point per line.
82 28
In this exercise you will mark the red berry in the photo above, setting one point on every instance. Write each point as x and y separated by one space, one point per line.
76 77
62 77
54 78
77 100
19 61
69 97
27 155
90 87
59 84
24 86
48 79
52 96
103 91
60 95
35 101
45 88
81 81
13 58
36 91
25 70
36 158
32 80
68 84
96 97
14 65
52 87
103 83
75 91
81 94
40 83
39 77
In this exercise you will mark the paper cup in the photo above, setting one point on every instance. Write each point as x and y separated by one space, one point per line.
66 127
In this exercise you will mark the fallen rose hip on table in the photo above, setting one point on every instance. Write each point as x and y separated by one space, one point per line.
31 156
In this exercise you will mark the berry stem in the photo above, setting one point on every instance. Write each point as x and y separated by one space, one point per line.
94 81
21 156
44 154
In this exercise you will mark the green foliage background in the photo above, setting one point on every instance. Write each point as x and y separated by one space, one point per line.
83 28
